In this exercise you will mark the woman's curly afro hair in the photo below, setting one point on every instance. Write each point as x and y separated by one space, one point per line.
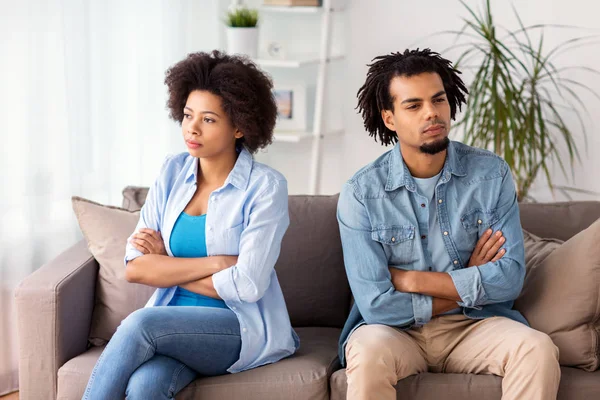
375 96
245 92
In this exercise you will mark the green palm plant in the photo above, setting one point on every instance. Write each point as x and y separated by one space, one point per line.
518 98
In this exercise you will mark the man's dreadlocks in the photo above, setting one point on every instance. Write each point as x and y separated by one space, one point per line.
375 96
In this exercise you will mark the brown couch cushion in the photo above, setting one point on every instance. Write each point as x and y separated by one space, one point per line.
106 230
558 220
305 375
134 197
310 267
561 294
575 384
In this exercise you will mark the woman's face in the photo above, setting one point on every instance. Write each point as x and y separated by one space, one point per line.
207 130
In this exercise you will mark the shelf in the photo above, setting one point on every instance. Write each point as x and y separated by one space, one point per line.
292 9
295 137
298 62
291 137
297 9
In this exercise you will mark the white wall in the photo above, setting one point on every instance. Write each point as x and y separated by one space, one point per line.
372 28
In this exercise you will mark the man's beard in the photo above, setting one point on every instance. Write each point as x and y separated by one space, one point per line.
435 147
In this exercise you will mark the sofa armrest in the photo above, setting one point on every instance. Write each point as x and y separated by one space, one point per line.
54 313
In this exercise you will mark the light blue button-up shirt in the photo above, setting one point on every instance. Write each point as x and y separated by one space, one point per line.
247 217
379 212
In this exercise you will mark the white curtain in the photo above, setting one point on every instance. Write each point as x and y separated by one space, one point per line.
82 112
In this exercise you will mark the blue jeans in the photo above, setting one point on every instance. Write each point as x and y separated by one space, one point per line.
158 351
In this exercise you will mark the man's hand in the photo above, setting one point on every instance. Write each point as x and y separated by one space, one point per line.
441 306
487 249
149 241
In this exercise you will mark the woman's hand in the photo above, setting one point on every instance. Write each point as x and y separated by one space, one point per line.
148 241
487 249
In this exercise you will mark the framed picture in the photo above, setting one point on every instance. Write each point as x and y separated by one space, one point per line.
291 106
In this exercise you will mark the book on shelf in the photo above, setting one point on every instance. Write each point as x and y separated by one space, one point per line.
292 3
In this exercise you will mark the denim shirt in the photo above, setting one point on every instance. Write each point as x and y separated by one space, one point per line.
247 217
378 214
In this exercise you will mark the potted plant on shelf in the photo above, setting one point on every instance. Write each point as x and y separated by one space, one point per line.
519 99
242 30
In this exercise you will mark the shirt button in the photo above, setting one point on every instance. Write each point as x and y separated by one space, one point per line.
455 262
446 233
233 308
244 330
393 239
440 201
423 205
423 237
209 228
479 221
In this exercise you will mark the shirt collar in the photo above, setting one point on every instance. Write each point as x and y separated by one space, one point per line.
239 175
399 175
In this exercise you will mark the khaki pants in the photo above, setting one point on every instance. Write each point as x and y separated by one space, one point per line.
377 356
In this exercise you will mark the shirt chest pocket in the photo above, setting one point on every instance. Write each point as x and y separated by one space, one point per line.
477 221
398 243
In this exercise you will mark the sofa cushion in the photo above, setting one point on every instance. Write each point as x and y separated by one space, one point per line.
561 294
537 249
310 267
106 230
134 197
558 220
575 384
305 375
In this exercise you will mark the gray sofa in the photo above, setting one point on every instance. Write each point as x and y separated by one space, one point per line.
55 305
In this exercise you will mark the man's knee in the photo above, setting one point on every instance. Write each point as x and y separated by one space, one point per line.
368 343
538 347
376 347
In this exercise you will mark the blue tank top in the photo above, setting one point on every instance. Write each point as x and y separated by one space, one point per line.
188 239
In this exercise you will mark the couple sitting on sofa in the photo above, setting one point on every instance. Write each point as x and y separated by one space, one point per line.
432 242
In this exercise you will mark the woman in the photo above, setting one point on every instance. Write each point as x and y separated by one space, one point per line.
208 238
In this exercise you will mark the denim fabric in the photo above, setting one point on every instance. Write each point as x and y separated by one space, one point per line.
247 217
157 351
379 213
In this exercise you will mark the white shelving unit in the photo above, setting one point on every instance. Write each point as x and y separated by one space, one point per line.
298 62
295 137
321 60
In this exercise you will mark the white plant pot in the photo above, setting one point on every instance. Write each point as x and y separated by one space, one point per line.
242 41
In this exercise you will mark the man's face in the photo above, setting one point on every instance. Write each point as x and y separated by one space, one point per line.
421 115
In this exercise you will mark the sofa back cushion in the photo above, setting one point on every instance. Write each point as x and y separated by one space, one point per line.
310 267
558 220
561 220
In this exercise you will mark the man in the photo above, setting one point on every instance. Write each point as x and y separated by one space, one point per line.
433 246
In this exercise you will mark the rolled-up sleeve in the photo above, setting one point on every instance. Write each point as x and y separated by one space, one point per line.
260 244
502 280
367 266
150 212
